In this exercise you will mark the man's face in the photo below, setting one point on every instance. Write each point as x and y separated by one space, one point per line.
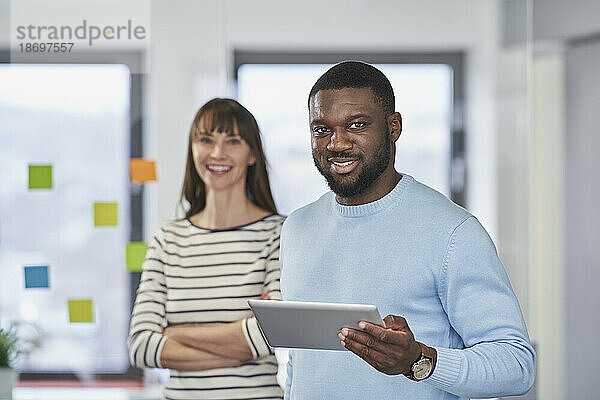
351 144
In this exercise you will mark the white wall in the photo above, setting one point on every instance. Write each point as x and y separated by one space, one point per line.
512 147
547 224
559 19
564 219
4 23
582 218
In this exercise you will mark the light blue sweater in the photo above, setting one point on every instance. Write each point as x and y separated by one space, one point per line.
416 254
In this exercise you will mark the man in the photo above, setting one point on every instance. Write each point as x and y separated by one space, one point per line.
455 329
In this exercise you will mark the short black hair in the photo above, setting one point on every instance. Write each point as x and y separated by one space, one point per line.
357 74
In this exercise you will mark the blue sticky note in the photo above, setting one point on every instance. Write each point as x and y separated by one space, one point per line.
36 277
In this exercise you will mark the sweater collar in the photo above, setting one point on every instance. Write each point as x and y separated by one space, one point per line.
375 206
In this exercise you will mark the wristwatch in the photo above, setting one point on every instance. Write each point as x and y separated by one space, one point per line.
423 367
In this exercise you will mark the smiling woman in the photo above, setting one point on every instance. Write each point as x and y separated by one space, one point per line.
238 131
200 271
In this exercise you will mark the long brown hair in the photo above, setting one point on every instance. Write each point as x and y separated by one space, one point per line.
227 115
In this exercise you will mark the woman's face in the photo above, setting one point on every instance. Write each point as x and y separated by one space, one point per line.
222 159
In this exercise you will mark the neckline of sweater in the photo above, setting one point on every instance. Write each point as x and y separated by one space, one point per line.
376 206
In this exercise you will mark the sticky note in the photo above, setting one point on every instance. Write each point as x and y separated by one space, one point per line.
40 176
142 170
36 276
81 310
105 214
135 254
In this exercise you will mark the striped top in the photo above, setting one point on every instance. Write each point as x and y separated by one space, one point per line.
194 275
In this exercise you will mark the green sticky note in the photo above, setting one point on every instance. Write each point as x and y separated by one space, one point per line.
81 310
135 254
40 176
105 214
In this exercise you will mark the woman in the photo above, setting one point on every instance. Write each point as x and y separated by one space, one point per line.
200 271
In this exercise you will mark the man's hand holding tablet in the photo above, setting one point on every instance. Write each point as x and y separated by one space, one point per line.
392 350
388 345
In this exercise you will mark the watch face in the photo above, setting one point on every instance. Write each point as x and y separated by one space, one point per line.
422 368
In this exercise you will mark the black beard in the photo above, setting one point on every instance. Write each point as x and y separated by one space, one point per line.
369 173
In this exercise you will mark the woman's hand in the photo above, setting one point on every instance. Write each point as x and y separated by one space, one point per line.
265 296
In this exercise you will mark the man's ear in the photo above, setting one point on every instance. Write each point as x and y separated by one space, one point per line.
395 125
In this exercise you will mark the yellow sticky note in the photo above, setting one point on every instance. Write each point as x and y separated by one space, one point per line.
142 170
105 214
81 310
135 254
40 176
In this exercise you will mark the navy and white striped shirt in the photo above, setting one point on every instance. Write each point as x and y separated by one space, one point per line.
194 275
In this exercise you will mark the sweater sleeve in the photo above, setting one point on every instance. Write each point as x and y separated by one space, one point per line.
476 294
146 340
254 336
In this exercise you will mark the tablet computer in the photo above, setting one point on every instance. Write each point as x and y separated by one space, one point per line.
308 325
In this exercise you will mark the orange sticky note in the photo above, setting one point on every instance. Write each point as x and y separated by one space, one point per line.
142 170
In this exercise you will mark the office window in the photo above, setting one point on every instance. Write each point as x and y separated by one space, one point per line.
74 118
277 95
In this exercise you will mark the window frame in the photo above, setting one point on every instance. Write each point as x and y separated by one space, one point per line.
457 170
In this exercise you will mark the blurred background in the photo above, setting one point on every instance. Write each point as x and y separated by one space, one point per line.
500 108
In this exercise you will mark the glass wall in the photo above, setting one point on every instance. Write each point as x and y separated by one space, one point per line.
64 214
